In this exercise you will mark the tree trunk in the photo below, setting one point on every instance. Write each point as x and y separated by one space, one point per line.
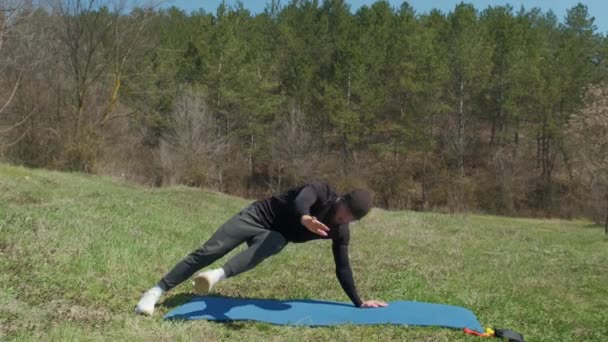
221 180
606 221
113 99
501 117
499 122
538 153
345 143
345 158
461 131
424 181
218 100
78 115
493 132
251 155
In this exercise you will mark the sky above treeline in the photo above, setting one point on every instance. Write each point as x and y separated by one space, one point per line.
597 8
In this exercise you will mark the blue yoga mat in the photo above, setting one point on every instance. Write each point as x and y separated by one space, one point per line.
323 313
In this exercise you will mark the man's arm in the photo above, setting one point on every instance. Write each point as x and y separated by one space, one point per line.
343 270
305 199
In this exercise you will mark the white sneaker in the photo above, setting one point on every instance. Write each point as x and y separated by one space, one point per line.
204 281
148 300
202 284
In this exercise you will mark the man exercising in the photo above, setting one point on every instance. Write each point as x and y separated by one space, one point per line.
308 212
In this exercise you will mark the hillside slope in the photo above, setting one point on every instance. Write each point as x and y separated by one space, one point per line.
76 252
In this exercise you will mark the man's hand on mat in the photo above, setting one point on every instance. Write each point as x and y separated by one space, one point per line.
311 223
373 304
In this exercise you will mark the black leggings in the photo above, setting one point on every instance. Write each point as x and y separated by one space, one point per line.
242 227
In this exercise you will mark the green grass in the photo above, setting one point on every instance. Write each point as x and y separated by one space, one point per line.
77 251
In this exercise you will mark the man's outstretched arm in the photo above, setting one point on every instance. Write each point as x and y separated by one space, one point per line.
344 272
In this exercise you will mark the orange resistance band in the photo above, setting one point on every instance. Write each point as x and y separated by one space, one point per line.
488 333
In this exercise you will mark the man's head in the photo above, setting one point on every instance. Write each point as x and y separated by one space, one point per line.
352 206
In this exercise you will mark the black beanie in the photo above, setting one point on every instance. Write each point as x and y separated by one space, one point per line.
359 202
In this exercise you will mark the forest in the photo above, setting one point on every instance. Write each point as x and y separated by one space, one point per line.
497 110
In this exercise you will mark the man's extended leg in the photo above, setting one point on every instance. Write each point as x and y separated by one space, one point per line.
226 238
240 228
260 246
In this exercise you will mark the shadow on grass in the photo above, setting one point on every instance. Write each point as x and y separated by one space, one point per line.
217 307
177 300
183 298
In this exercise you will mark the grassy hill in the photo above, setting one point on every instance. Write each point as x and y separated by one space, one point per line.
77 251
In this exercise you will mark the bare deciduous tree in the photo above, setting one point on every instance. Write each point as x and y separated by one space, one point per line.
12 13
291 151
589 133
191 152
97 39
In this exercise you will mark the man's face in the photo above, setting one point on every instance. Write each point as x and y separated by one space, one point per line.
342 215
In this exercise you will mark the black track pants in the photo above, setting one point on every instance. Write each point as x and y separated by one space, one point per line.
242 227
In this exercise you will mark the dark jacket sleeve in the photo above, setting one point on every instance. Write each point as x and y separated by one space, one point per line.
308 196
343 270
